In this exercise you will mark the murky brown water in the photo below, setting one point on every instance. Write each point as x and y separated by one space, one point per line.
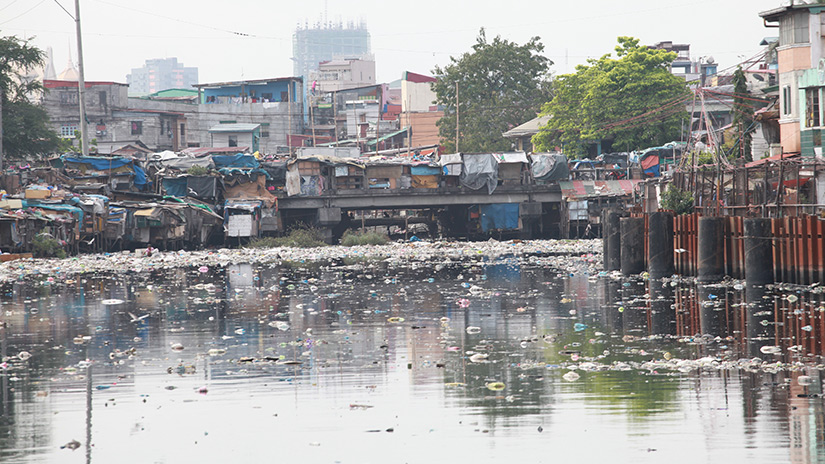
467 363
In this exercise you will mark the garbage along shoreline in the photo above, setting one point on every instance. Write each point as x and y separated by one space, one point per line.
567 255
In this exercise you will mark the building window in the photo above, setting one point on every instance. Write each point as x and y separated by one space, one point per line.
812 108
793 28
137 127
233 140
68 98
786 100
182 130
102 98
67 131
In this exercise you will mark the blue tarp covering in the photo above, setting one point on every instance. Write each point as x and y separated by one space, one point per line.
76 212
104 164
239 160
424 171
175 186
499 216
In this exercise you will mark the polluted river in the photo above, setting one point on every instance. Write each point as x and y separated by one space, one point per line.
419 352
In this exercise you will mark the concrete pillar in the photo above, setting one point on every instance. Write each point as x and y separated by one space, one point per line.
711 266
611 242
632 245
660 245
758 251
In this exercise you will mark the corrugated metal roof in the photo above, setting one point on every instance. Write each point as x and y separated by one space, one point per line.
583 189
235 127
530 127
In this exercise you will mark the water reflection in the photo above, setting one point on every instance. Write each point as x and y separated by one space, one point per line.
190 365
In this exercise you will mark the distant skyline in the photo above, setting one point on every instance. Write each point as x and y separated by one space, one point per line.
253 40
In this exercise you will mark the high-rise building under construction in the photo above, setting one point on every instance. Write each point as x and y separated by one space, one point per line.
324 42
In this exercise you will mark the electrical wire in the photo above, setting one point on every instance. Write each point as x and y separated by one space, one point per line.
23 13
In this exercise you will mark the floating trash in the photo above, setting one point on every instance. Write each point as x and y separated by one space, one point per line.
578 327
496 386
176 347
280 325
770 349
479 358
804 380
203 269
395 320
473 330
24 355
112 302
807 328
463 302
571 376
793 298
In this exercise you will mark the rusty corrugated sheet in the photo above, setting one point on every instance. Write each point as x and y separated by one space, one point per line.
584 189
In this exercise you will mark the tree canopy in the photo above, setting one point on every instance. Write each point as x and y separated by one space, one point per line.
500 85
25 124
631 102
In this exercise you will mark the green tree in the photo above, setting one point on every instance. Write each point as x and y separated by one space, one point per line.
500 85
24 125
742 116
631 102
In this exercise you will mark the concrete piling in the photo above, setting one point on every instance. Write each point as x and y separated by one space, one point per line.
660 245
711 240
758 251
632 245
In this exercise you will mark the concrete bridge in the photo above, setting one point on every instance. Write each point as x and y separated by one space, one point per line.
448 207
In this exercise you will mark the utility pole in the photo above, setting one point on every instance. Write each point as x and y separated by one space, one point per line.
81 84
456 118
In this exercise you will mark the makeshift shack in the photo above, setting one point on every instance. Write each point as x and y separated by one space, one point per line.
451 167
424 176
510 167
159 226
384 176
480 170
549 167
348 177
121 173
242 218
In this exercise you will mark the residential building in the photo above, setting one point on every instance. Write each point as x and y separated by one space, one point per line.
275 104
241 135
419 111
320 43
341 74
161 74
522 135
693 70
801 66
110 116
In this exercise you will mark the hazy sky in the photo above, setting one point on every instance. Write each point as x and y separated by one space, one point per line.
119 35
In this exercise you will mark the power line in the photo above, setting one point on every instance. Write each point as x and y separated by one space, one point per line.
23 13
64 9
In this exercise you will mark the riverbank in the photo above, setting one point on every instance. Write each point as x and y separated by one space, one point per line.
575 256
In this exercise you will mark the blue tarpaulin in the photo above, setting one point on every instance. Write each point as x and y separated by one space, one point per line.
239 160
500 216
424 171
76 212
107 163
